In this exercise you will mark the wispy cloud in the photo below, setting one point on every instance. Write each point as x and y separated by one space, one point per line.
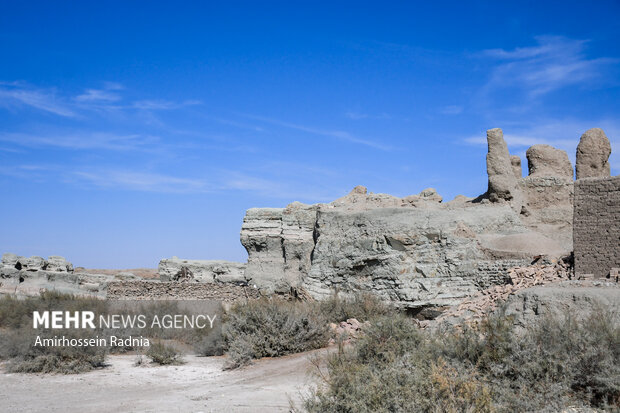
163 104
34 173
452 110
17 94
276 188
338 134
82 141
97 95
14 95
141 181
359 116
554 63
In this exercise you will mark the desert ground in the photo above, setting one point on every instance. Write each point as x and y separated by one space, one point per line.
199 385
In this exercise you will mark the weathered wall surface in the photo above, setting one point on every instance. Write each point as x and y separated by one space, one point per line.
417 251
414 257
596 228
155 290
207 271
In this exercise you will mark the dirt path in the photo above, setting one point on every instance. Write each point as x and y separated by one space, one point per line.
200 385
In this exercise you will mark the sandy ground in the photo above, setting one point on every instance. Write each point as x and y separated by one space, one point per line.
200 385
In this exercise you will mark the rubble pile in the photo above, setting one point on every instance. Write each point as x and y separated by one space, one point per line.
480 305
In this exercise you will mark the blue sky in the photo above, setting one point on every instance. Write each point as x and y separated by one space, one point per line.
130 131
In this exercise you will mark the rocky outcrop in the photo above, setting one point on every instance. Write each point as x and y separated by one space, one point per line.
204 271
593 155
54 263
279 243
28 276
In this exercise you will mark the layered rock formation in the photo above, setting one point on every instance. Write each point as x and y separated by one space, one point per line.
418 251
205 271
28 276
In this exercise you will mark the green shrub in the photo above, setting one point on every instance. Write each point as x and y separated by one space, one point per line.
272 328
163 354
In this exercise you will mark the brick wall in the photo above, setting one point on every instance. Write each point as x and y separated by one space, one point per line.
155 290
596 225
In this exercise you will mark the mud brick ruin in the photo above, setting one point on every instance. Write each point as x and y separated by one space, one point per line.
596 228
417 252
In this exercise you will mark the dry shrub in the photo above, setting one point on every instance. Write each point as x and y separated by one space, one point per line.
163 354
272 328
17 338
361 306
555 363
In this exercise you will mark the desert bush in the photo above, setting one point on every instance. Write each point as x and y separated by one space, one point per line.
163 354
17 346
395 368
212 344
272 328
17 338
554 363
361 306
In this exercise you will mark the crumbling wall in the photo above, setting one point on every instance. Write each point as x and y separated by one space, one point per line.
596 226
156 290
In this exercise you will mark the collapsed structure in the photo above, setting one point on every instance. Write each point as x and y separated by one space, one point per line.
417 251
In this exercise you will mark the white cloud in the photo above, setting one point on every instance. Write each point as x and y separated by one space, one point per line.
338 134
82 141
162 104
277 188
554 63
97 95
141 181
452 110
14 95
359 116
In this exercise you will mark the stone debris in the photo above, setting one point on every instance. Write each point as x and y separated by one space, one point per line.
159 290
480 305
